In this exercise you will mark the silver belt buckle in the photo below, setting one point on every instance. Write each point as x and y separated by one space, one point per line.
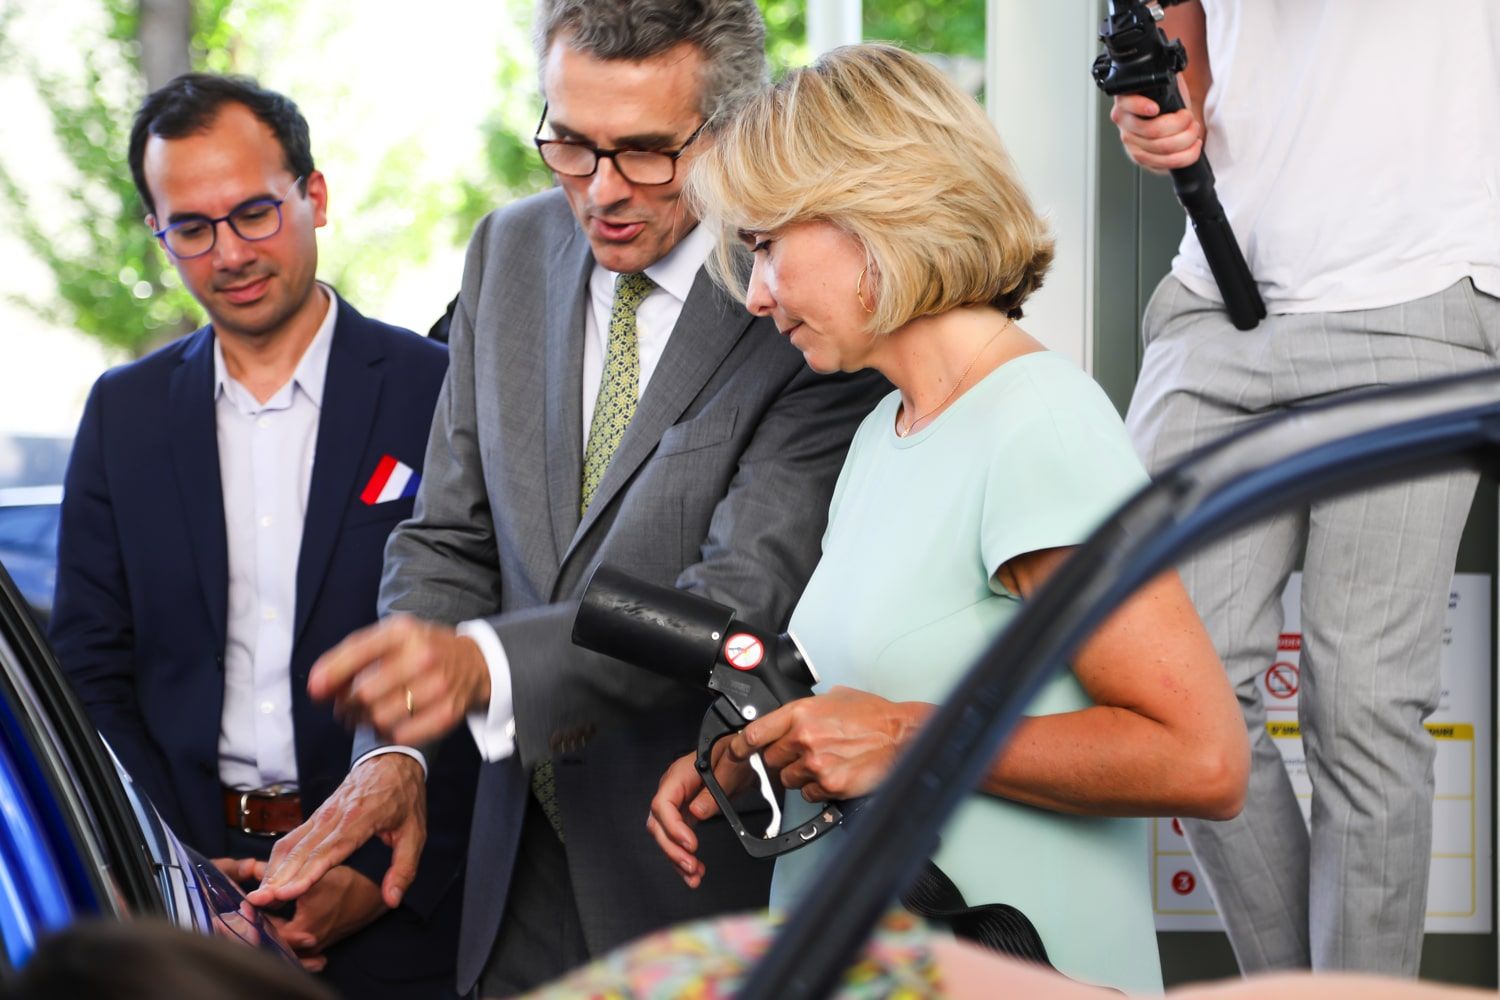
275 791
244 826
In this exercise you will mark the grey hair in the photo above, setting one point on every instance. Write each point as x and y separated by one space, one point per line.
730 33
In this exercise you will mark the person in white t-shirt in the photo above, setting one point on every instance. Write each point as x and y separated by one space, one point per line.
1357 152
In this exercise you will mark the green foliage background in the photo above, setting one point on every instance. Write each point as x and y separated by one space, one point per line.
953 27
111 281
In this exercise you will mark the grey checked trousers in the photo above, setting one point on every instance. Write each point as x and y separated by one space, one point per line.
1377 570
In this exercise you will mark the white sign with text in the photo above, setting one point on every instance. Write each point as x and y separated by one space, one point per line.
1459 894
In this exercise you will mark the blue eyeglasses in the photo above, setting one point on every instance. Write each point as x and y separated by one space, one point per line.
197 235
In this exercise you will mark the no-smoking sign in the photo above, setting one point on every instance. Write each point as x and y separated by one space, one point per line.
1282 680
744 651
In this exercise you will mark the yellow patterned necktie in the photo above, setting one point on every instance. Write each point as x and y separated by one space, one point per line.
619 390
620 387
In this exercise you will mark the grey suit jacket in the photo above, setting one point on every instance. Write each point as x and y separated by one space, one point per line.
720 486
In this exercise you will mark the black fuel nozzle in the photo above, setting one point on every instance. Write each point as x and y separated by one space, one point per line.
662 629
692 639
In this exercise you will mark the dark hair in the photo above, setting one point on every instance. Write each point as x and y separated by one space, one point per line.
731 34
147 958
188 104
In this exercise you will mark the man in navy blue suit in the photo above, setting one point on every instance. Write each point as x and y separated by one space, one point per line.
224 520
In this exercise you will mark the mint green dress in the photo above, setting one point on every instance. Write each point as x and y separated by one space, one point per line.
904 600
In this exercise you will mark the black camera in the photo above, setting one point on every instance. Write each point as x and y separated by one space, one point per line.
1139 59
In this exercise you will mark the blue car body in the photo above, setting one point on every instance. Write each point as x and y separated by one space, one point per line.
77 839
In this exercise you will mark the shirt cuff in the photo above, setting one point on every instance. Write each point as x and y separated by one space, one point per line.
411 752
493 729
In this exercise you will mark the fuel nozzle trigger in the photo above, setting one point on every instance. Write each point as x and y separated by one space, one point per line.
748 687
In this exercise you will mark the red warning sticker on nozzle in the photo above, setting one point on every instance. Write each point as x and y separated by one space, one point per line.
744 651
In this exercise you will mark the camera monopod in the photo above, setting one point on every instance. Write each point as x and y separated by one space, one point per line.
1138 59
697 641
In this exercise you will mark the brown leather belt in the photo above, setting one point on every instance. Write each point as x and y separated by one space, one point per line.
263 812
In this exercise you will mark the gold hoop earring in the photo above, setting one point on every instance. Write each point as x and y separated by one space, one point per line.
859 290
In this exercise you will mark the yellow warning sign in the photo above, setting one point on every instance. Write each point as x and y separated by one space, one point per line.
1282 730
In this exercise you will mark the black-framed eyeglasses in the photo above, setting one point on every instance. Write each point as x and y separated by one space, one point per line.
638 166
196 235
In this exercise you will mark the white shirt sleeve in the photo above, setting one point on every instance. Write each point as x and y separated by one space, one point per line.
411 752
494 729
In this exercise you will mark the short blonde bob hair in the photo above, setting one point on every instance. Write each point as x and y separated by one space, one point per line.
874 140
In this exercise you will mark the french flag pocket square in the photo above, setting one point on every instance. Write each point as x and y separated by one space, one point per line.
392 480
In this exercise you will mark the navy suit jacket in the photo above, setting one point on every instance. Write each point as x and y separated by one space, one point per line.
142 587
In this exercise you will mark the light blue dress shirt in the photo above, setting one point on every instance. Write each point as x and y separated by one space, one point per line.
266 453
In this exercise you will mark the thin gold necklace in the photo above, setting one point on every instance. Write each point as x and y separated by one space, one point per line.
903 431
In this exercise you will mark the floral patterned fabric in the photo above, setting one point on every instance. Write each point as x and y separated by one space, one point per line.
708 960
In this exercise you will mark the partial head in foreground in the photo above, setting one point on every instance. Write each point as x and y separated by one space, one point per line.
146 957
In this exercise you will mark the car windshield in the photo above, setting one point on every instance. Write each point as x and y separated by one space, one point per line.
32 460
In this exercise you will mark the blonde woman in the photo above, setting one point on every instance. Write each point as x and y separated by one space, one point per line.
888 231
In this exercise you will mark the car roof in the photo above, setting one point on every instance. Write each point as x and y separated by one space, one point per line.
31 496
32 459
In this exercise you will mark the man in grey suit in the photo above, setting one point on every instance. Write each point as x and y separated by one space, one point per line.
606 402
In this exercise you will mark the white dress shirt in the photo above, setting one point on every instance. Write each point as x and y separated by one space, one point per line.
266 453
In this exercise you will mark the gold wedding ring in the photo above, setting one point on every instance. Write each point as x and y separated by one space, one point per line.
410 709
